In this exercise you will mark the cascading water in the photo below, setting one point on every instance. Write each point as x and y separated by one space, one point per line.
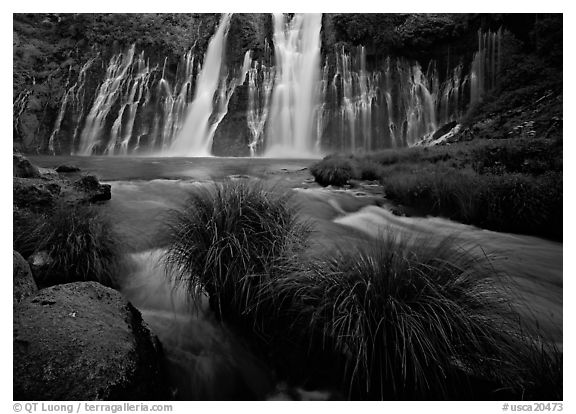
72 97
195 138
295 105
486 65
290 130
394 107
107 95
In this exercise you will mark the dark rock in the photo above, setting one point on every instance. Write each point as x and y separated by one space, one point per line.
35 194
23 168
84 341
67 169
443 130
24 284
93 189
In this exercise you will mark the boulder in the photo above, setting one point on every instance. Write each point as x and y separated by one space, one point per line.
23 168
67 169
35 194
84 341
24 284
94 191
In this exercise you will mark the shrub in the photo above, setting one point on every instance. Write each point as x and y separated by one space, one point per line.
227 239
332 171
79 241
504 202
408 319
369 170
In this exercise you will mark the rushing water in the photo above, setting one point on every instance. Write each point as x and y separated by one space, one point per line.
206 360
295 94
195 139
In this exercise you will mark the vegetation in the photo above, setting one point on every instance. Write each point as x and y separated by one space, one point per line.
78 240
332 171
228 238
389 319
409 319
510 185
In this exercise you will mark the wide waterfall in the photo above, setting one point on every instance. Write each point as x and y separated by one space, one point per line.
295 94
293 102
195 139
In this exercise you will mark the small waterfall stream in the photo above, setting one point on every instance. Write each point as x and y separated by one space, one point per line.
195 138
295 94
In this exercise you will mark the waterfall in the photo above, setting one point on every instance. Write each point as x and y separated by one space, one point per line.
486 65
106 97
295 104
290 130
393 105
260 83
73 96
195 138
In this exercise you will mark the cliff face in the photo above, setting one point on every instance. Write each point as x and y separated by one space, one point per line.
60 60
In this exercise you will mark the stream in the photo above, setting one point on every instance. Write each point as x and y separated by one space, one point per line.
206 360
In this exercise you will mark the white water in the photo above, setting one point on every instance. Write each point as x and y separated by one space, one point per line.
295 96
295 107
107 95
195 139
486 65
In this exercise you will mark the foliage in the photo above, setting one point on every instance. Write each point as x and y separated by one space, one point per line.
78 240
332 171
228 238
413 319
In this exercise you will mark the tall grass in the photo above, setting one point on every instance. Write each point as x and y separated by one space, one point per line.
333 171
230 237
506 202
413 320
79 240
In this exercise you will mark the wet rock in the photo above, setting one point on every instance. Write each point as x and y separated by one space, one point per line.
24 284
39 262
84 341
23 168
35 194
67 169
94 191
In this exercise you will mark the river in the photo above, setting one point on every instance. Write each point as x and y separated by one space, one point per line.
206 360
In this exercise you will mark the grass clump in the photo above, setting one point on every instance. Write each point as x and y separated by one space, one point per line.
415 320
333 171
78 240
230 237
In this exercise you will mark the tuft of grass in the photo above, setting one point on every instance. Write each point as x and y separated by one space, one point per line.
78 240
369 170
227 239
408 319
333 171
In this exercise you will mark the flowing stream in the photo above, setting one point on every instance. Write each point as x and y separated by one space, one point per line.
206 360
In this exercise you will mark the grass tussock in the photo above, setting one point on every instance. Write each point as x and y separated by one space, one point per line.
412 320
78 240
333 171
228 239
